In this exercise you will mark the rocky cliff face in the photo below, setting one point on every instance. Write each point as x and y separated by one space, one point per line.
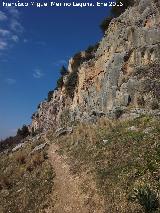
123 75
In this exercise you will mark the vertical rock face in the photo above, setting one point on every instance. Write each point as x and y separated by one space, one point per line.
124 72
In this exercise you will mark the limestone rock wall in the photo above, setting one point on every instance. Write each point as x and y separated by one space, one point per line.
113 77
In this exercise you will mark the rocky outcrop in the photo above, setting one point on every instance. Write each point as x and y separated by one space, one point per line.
123 75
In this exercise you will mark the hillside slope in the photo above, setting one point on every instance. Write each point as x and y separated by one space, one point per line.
107 167
117 163
94 145
26 178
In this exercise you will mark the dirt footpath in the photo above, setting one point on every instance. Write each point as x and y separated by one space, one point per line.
67 196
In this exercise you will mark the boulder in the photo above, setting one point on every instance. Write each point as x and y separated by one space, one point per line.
19 146
39 147
63 131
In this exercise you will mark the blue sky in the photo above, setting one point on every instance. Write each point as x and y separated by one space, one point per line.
34 44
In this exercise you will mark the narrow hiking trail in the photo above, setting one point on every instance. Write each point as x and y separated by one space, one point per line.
66 193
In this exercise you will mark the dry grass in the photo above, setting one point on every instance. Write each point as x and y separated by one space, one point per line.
26 181
5 183
37 159
119 159
21 158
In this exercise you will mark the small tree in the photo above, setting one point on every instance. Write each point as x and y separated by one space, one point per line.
24 132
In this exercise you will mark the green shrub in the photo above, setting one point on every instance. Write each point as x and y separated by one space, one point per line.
60 82
72 79
105 23
141 101
117 11
50 94
92 48
35 132
71 83
118 113
5 182
147 198
24 132
78 59
154 105
63 71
